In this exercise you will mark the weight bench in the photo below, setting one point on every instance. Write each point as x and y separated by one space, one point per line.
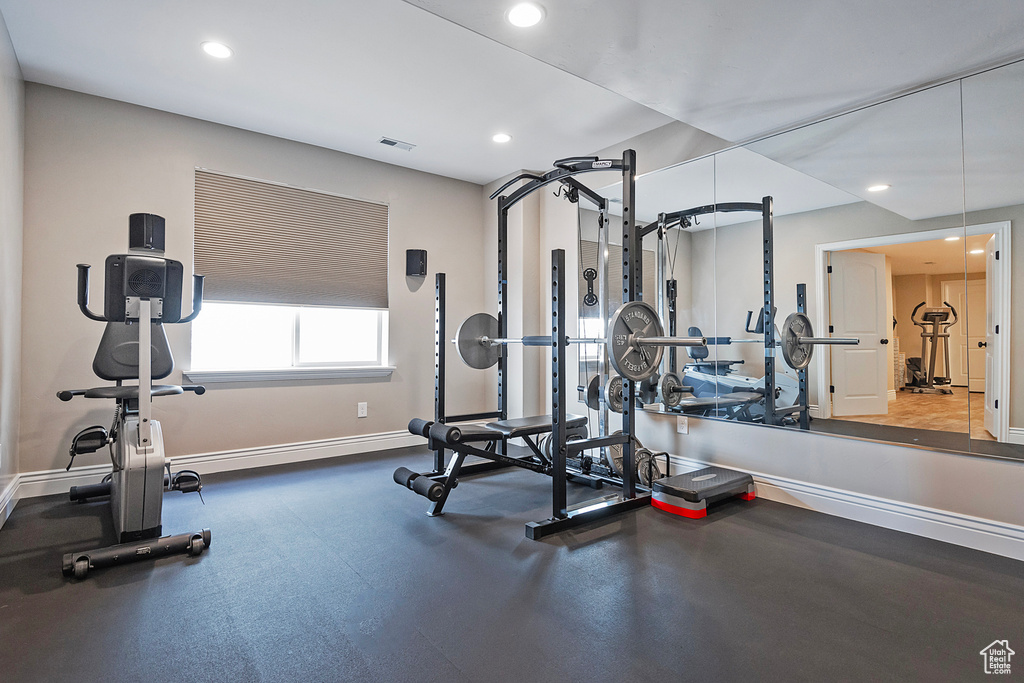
465 440
688 495
736 405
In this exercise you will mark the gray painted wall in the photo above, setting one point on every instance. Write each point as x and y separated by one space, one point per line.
90 162
12 139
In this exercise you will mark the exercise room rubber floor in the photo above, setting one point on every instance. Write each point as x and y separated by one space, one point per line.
328 571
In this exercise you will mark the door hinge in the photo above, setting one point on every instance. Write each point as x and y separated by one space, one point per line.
830 269
997 404
997 329
831 329
997 254
831 389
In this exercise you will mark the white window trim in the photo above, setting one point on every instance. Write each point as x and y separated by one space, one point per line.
285 374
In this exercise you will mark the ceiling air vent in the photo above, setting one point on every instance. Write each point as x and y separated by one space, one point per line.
396 143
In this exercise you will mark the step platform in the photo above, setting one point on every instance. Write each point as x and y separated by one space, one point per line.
688 494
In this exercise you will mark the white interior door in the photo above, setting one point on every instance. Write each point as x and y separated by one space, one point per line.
977 301
966 354
857 306
992 376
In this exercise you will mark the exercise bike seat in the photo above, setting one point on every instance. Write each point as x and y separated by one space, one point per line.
699 357
117 357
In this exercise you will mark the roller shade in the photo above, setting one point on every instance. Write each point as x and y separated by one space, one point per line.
588 259
260 242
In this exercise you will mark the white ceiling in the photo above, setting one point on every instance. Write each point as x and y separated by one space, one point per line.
912 143
738 175
339 74
936 257
342 73
741 68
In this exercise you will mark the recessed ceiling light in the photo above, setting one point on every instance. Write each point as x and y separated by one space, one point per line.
976 251
502 137
879 188
952 239
525 14
218 50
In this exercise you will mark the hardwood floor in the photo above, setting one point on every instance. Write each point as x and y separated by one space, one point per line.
939 412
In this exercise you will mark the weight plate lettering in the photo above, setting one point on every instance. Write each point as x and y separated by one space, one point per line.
613 394
629 326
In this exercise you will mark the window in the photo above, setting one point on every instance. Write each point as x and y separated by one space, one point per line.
230 336
296 282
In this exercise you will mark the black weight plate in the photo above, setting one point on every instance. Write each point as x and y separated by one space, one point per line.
613 394
467 341
670 383
796 354
631 323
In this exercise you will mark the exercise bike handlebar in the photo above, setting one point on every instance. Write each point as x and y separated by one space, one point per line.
83 293
197 298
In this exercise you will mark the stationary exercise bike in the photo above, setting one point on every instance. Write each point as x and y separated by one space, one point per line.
142 291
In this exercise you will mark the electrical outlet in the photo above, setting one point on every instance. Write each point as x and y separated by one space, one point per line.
682 427
361 410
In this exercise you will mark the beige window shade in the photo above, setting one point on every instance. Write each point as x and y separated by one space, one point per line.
588 259
265 243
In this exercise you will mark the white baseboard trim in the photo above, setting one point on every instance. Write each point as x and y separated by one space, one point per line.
264 456
49 482
988 535
1016 435
892 394
8 499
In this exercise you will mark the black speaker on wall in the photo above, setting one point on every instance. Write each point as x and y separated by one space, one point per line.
416 262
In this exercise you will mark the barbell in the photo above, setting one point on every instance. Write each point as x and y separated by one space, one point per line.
635 340
798 341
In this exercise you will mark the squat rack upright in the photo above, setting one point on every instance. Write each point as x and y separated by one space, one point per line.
565 169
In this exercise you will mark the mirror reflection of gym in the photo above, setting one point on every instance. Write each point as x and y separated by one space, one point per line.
931 315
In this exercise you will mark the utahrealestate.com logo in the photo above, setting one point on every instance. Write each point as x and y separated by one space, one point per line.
997 657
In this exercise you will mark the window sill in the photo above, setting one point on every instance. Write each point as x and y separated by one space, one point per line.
289 374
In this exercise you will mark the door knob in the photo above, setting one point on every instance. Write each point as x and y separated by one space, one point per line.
884 341
982 345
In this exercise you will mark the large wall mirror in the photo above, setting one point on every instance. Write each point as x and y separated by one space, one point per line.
892 226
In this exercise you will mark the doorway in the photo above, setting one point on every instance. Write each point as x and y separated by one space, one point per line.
921 279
